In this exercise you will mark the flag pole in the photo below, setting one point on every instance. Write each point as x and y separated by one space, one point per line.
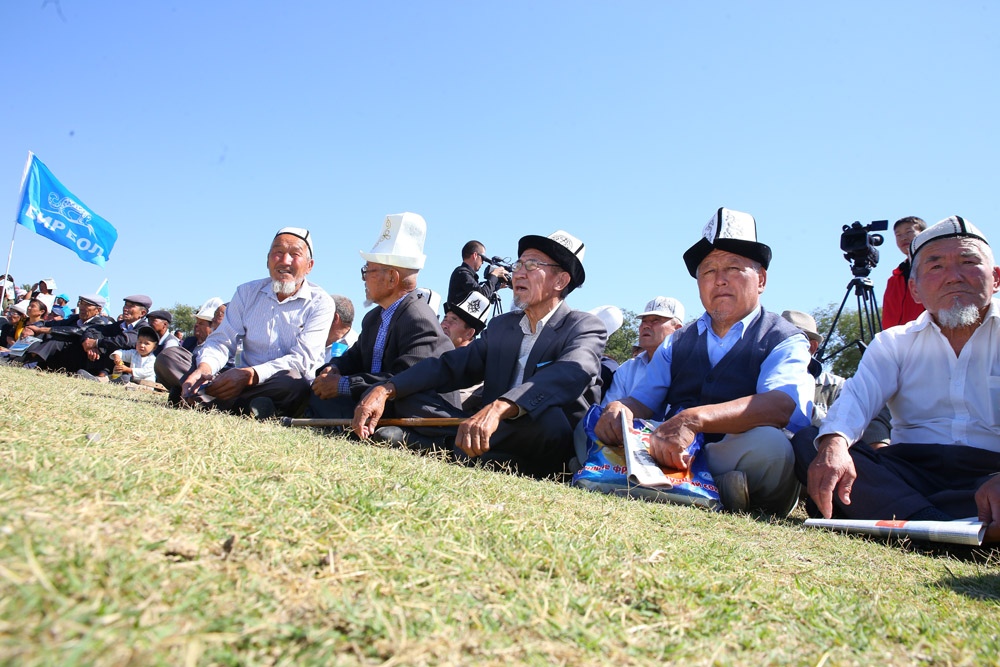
20 199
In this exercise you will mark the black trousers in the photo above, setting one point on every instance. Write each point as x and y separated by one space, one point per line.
901 480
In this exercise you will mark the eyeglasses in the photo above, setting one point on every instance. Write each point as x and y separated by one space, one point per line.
366 269
529 264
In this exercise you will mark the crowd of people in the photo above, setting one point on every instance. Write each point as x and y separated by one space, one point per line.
914 434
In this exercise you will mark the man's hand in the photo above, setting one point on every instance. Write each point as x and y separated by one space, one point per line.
831 471
325 384
474 433
34 330
668 444
90 347
988 504
230 385
198 377
370 409
609 427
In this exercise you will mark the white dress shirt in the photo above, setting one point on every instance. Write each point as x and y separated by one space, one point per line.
934 396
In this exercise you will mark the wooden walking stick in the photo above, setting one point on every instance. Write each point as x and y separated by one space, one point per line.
412 422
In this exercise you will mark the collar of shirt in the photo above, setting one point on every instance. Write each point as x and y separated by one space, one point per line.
304 292
718 347
388 312
526 324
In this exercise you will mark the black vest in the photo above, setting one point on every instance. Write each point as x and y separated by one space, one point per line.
694 382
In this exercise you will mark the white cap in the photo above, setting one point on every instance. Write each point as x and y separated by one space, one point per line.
207 310
611 316
430 297
949 228
21 307
400 243
664 306
300 232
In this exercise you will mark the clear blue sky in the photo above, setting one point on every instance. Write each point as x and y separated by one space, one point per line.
200 128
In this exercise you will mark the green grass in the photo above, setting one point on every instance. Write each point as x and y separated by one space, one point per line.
135 534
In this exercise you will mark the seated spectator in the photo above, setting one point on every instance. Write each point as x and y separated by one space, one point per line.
161 320
396 334
937 374
662 316
282 321
103 340
463 321
60 308
17 317
539 367
341 335
898 306
132 365
62 341
738 375
203 325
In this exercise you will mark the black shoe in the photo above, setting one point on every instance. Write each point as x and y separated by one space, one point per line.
403 437
733 491
262 408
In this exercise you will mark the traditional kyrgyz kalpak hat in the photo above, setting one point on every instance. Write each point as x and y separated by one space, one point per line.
207 310
21 307
300 232
664 306
610 316
95 299
400 243
805 322
948 228
564 248
48 300
432 298
140 299
473 310
732 231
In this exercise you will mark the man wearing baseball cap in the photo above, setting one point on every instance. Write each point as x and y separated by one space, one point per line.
539 367
662 316
938 375
737 375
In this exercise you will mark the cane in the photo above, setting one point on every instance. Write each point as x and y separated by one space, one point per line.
412 422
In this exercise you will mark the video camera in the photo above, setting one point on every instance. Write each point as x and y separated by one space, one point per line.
504 264
859 244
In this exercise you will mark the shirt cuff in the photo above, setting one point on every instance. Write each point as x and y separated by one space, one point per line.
344 385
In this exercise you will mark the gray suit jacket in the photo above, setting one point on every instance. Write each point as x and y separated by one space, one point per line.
563 368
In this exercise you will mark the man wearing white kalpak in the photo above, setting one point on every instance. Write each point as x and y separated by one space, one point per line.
283 322
940 376
737 375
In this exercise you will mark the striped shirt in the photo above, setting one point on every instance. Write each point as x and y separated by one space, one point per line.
287 335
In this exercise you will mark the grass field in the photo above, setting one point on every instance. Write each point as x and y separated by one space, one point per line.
135 534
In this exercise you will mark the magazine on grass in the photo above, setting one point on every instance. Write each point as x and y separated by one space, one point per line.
961 531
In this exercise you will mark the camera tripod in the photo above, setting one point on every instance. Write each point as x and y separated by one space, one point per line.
869 319
497 305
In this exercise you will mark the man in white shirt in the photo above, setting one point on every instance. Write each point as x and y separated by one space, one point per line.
940 376
282 321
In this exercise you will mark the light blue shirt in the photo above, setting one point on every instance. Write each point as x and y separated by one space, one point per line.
784 369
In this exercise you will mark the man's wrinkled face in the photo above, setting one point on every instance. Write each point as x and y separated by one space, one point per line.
654 329
132 311
378 279
159 326
87 310
456 329
952 274
545 279
201 329
288 262
729 285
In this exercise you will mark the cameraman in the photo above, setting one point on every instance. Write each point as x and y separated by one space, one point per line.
465 278
898 306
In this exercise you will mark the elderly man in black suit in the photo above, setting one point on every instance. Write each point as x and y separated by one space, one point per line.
401 331
540 369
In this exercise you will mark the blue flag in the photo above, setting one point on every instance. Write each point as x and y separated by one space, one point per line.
53 212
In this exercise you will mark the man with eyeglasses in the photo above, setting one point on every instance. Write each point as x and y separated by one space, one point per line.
281 323
539 366
737 375
396 334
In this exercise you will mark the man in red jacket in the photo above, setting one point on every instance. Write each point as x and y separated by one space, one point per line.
898 306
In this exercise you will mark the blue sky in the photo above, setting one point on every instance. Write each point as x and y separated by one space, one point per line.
199 129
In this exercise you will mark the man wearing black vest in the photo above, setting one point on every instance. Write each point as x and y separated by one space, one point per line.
738 375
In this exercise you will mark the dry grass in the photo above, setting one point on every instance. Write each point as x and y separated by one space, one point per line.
135 534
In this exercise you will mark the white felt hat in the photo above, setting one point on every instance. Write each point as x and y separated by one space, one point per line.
47 299
400 243
611 316
473 310
207 310
948 228
432 298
